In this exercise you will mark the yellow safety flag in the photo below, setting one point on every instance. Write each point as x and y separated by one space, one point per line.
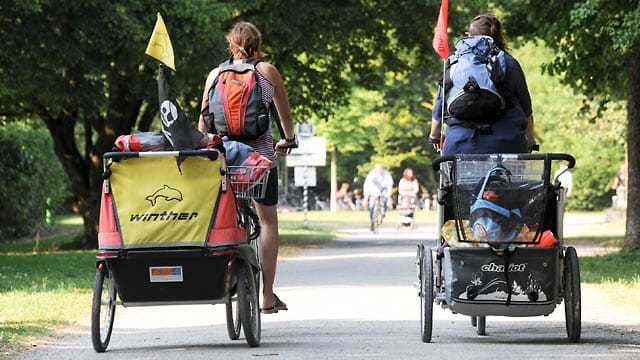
160 44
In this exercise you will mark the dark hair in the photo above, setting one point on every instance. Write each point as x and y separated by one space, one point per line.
488 24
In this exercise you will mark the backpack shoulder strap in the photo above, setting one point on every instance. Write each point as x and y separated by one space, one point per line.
448 83
226 63
253 61
276 118
229 64
499 77
273 112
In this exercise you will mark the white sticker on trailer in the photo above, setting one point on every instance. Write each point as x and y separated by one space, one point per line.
165 274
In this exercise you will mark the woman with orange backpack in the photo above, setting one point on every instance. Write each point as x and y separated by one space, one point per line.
245 44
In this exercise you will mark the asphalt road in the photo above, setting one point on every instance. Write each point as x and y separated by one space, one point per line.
354 298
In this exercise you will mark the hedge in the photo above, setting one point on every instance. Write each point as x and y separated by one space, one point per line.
30 174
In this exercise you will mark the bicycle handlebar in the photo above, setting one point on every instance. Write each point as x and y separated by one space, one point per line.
293 145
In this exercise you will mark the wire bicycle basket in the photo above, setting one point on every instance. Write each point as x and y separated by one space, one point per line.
249 182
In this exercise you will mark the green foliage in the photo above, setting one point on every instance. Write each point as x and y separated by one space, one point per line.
89 55
389 125
328 46
364 67
597 47
29 175
591 39
81 66
595 139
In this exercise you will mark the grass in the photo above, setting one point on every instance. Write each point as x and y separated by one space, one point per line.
611 268
43 287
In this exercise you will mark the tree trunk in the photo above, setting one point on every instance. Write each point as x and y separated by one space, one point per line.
89 209
632 237
334 179
84 171
83 174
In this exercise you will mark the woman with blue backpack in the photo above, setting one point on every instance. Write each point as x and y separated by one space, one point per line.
486 99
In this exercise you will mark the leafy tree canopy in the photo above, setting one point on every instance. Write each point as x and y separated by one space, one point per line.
591 39
597 47
81 67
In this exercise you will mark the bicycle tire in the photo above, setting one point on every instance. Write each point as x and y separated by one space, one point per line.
572 295
249 304
377 215
102 318
426 295
234 325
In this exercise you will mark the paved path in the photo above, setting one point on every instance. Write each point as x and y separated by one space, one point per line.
353 298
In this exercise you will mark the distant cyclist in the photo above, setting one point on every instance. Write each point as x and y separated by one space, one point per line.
378 183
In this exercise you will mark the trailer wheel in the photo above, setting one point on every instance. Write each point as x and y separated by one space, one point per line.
103 308
426 294
572 296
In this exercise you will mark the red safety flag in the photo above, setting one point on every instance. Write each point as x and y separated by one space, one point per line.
440 39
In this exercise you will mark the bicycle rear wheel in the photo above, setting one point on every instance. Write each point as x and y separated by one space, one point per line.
234 325
249 303
377 216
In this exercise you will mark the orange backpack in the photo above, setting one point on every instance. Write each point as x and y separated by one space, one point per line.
236 108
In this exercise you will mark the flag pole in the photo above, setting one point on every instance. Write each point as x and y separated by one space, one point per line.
442 98
441 46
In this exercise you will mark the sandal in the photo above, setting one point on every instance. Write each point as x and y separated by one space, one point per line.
275 308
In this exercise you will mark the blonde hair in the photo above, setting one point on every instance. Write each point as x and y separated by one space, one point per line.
244 37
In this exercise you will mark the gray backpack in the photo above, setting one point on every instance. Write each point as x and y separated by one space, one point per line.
236 108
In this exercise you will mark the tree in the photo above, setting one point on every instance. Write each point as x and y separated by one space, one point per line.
563 125
81 68
382 126
598 53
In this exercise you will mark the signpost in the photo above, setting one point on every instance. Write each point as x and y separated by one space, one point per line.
311 152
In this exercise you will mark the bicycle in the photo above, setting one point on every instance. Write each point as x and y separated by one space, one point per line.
378 213
248 183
